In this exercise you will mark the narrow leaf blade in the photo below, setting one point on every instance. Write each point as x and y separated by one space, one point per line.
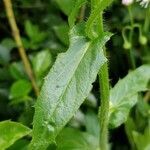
11 132
124 95
74 12
66 86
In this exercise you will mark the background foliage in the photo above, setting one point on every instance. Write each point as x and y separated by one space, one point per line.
44 31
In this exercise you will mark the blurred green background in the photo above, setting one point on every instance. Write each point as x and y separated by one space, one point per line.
44 29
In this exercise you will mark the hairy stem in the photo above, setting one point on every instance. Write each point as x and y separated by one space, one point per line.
97 13
104 92
100 6
17 38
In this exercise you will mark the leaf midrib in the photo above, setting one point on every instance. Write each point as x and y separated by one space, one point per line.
74 71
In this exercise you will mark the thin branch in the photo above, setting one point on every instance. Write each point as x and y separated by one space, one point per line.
17 38
82 13
104 96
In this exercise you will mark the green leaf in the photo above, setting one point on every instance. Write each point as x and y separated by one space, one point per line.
138 121
124 95
20 145
143 108
61 32
11 132
20 100
66 86
119 111
66 5
17 71
73 139
8 43
41 62
74 12
28 44
142 141
20 89
34 33
30 29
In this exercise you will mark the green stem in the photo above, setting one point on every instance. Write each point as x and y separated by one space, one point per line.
18 40
147 21
82 13
131 16
104 92
100 24
130 38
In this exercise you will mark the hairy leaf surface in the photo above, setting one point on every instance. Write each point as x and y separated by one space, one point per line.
11 132
124 95
66 86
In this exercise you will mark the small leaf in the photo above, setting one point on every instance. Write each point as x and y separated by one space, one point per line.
16 70
124 95
119 112
20 100
138 121
20 89
30 29
61 32
11 132
8 43
74 12
34 32
27 43
66 86
142 141
20 145
41 62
